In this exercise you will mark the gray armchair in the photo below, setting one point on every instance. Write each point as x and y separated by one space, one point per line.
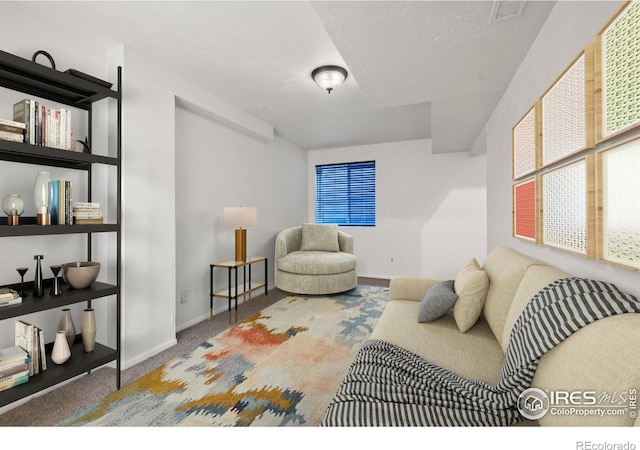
315 259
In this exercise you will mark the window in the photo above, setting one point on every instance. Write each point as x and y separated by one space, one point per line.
346 194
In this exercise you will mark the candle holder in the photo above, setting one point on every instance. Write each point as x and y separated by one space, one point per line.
22 271
55 286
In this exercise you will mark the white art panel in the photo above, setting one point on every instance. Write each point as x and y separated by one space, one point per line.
620 179
564 121
565 207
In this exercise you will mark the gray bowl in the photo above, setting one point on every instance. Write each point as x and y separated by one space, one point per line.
81 274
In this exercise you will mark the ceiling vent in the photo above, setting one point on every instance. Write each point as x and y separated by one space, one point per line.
506 10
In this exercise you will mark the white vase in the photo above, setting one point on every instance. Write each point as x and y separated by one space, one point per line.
88 329
61 352
41 198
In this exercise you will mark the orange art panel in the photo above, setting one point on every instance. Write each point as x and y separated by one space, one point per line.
525 210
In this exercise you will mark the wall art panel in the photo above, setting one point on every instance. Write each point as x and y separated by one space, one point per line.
525 210
619 197
619 72
567 111
568 207
525 145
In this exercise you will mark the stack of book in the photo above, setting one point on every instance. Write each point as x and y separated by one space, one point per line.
60 202
11 130
87 213
9 296
31 339
14 367
43 126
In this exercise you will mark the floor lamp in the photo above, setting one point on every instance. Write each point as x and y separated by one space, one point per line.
240 218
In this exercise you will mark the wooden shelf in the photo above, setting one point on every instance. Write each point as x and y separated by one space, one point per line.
39 230
48 156
80 362
70 296
225 292
26 76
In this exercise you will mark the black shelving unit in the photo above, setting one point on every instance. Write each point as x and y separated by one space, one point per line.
33 79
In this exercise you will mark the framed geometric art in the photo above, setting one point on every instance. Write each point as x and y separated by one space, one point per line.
525 210
618 73
568 207
619 200
525 144
567 111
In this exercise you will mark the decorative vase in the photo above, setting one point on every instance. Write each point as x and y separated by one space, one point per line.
61 352
66 325
88 329
41 198
38 283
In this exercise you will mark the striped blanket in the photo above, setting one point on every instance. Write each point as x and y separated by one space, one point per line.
389 386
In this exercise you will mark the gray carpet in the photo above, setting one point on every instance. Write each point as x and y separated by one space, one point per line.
54 406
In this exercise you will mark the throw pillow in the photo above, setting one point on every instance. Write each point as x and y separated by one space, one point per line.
471 286
437 301
319 237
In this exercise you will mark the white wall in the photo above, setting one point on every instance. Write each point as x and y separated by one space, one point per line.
430 209
570 26
217 167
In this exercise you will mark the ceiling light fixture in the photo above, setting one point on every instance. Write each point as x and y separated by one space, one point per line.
329 77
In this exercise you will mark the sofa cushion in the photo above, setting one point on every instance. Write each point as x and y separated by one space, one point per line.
536 278
475 355
505 267
322 237
317 262
437 301
471 286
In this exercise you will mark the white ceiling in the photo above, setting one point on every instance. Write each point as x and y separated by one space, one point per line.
417 69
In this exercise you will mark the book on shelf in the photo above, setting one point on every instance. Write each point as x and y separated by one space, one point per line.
44 126
18 367
12 137
12 355
8 293
9 302
13 127
14 380
87 213
31 339
60 201
9 296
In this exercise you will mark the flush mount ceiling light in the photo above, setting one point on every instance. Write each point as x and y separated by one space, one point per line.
329 77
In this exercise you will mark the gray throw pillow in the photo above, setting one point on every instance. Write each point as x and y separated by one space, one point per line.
437 301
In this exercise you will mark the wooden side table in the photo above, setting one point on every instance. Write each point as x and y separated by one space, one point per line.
235 290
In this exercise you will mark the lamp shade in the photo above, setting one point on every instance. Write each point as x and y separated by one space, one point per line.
240 216
329 77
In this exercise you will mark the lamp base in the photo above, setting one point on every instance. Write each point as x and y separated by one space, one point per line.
13 220
43 219
241 244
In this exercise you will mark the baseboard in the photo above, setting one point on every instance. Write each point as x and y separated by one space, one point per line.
192 322
148 354
381 277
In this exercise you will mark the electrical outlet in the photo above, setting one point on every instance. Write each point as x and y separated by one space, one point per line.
184 296
392 259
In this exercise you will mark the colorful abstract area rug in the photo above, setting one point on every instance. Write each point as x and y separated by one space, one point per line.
280 367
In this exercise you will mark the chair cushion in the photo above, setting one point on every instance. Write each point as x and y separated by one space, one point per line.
317 262
323 237
437 301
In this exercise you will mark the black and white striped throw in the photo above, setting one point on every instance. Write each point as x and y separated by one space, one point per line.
389 386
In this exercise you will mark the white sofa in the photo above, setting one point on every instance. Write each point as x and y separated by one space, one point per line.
315 259
601 358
